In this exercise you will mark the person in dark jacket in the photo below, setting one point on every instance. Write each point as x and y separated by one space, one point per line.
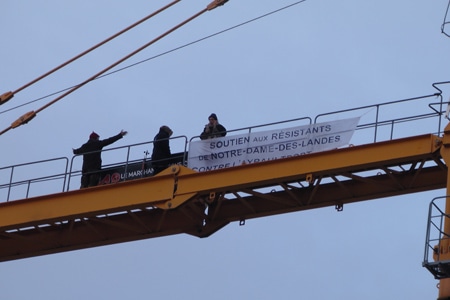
213 129
92 160
161 149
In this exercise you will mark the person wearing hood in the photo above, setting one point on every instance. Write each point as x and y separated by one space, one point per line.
213 129
161 149
92 160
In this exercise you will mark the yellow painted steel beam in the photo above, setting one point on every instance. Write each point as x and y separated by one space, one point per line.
444 284
329 162
173 202
103 199
177 185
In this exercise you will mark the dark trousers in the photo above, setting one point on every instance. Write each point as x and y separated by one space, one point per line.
158 168
89 179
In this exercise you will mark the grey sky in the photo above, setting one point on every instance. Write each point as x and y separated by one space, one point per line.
314 57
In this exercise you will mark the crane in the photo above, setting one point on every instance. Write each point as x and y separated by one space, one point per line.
173 201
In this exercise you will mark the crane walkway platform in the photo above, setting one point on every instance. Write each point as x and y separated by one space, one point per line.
180 200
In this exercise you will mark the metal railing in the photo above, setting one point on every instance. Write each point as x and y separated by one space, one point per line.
437 241
20 184
378 121
249 129
375 120
130 152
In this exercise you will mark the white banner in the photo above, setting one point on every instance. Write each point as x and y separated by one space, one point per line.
229 151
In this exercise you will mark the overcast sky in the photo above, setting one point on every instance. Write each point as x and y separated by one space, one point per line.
310 58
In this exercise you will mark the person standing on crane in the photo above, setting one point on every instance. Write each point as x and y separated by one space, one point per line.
213 128
92 160
161 150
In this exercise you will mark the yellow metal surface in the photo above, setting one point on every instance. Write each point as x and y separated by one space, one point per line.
335 161
158 191
174 186
180 200
444 249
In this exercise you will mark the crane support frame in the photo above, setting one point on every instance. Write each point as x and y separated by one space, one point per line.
180 200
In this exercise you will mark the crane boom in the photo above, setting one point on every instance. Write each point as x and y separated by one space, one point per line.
179 200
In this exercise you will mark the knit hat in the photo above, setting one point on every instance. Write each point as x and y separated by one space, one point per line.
213 116
94 135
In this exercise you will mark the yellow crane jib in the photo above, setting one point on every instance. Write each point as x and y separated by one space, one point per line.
177 198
